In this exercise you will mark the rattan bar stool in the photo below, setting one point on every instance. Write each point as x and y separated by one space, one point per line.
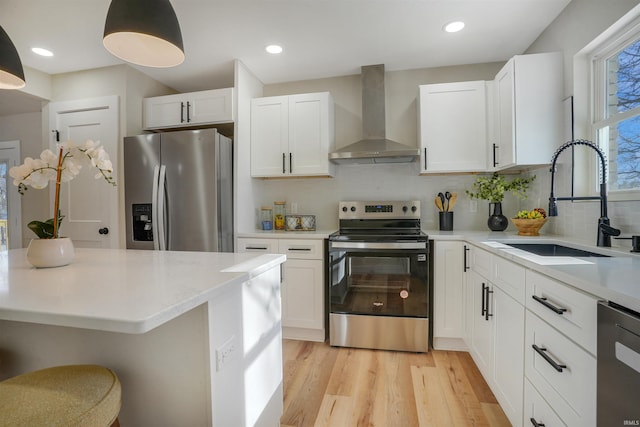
74 395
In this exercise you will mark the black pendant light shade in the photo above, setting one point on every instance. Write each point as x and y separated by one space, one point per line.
11 71
144 32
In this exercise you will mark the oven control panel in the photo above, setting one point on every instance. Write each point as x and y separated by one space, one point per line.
379 210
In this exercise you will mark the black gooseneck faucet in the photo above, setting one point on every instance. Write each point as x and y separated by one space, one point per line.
605 231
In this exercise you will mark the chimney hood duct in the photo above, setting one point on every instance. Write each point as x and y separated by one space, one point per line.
374 147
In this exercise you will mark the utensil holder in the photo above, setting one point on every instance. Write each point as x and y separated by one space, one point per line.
446 221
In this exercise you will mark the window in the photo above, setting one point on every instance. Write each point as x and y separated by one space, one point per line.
616 118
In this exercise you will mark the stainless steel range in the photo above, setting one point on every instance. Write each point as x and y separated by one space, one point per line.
379 277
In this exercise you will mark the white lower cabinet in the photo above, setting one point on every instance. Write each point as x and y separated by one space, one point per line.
303 307
561 324
448 281
508 358
533 339
495 329
481 346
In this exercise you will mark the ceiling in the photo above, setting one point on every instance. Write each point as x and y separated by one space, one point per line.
321 38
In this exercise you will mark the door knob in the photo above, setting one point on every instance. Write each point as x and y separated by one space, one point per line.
103 230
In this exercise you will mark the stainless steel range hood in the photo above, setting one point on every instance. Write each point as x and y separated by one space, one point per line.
374 147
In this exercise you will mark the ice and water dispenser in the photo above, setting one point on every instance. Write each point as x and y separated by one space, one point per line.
142 222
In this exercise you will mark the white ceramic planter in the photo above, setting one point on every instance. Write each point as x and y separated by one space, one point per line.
43 253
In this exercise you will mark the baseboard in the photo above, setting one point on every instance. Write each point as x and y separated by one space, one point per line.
304 334
449 344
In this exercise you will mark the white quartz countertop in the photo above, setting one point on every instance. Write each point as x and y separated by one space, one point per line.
615 278
119 290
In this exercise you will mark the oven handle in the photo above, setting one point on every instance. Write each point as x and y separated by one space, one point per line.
379 245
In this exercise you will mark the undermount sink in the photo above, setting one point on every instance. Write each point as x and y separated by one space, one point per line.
551 249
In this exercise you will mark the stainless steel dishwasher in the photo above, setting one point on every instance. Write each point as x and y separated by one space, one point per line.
618 365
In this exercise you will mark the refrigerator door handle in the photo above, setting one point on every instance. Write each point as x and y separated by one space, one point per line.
154 208
162 226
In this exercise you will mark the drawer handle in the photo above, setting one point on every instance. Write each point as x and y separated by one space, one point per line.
256 248
542 352
535 423
299 249
543 301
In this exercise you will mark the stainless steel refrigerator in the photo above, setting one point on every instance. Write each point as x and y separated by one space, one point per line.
179 191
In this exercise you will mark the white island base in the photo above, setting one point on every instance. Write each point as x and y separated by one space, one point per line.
218 363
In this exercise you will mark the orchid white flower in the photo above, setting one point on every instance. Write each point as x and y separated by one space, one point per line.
60 167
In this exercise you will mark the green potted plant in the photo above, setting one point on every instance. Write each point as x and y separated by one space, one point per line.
493 188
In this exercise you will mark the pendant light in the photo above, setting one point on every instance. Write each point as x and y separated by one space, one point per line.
144 32
11 71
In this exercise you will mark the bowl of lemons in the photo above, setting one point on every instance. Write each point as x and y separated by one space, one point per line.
530 222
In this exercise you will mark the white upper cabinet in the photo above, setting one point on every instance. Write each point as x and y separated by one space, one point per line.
528 111
188 109
291 136
452 127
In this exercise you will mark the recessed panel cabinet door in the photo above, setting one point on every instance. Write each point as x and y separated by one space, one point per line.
453 127
302 293
482 324
90 205
309 133
270 136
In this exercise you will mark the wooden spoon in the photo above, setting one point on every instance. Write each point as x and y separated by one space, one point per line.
452 200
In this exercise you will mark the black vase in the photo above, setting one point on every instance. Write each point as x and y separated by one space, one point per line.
497 221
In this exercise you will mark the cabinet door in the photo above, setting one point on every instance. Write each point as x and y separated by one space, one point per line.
482 324
310 134
270 136
504 154
302 294
210 106
528 100
453 127
508 354
164 111
448 288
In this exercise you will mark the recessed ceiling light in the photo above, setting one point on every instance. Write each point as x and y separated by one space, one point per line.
454 27
274 48
41 51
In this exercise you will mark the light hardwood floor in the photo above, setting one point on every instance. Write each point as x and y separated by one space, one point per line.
343 387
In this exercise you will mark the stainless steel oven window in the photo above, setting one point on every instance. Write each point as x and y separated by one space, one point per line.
377 272
374 283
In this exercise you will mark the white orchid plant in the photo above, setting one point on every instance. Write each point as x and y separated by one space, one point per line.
59 168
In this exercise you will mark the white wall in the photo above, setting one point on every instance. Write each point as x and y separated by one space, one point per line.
27 128
246 190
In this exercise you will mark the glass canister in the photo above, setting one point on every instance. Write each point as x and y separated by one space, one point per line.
266 217
279 211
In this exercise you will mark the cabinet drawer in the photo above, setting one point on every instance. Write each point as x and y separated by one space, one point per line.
482 262
301 249
571 311
258 245
537 409
570 387
510 277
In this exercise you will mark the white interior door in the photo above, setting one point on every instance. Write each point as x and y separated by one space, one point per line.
90 206
10 206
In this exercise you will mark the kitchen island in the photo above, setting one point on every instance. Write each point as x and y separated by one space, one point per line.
195 337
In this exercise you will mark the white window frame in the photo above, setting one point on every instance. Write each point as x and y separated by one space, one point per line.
614 39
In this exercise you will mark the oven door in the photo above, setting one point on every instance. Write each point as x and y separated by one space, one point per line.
379 279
